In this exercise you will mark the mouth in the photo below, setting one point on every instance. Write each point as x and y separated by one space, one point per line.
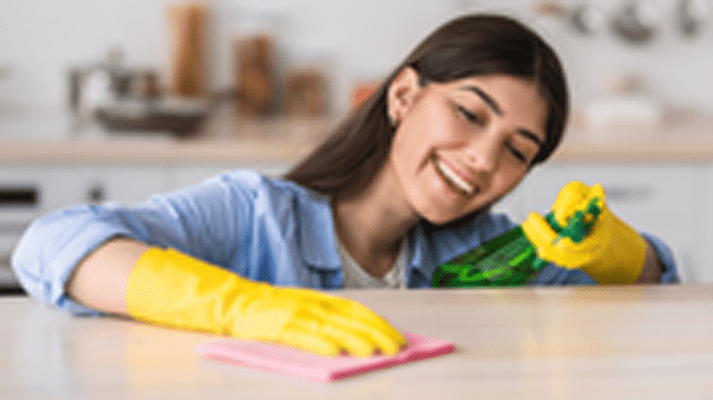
455 180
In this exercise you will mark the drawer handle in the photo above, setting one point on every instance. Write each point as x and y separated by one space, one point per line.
622 193
19 196
96 193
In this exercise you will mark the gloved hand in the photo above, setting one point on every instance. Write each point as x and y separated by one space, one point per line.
612 252
170 288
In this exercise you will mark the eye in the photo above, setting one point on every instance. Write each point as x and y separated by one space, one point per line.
517 153
468 115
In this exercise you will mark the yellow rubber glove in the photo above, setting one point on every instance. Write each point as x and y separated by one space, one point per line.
612 252
170 288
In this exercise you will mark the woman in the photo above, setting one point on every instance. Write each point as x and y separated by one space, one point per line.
403 185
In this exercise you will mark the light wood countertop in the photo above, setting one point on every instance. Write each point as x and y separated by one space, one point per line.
681 138
650 342
223 141
226 138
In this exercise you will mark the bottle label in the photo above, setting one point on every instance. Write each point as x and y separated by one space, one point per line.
508 260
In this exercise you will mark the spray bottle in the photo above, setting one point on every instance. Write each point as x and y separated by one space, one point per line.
510 259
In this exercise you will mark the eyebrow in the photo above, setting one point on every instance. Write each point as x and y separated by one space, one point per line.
486 98
530 135
498 111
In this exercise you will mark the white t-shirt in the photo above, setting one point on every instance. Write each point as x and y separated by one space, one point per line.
355 276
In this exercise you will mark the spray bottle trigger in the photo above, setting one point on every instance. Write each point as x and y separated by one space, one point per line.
578 225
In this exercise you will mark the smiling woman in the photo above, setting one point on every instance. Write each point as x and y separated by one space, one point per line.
455 127
474 45
403 185
450 138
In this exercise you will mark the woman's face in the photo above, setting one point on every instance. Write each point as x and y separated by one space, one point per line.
462 145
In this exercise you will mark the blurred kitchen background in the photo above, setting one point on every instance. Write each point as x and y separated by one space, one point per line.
115 100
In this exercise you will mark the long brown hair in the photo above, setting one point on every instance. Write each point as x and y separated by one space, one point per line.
467 46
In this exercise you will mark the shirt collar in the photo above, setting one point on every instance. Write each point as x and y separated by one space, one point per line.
425 257
421 259
319 245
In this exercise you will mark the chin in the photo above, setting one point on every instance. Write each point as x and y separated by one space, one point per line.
438 221
446 222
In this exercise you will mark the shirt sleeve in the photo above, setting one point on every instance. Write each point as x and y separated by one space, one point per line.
670 272
203 221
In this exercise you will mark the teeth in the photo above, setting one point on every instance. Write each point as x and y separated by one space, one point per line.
454 178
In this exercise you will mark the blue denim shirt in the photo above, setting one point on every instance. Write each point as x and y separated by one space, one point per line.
265 229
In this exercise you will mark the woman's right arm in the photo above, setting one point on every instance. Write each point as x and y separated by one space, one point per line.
163 263
78 259
100 280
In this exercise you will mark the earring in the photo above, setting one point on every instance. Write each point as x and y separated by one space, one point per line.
393 122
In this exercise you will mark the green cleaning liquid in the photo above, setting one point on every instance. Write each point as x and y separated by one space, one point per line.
510 259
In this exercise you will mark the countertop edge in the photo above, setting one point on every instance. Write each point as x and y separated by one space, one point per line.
281 151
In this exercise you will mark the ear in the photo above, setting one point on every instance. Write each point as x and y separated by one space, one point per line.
402 94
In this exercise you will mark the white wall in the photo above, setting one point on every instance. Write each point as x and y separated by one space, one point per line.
40 39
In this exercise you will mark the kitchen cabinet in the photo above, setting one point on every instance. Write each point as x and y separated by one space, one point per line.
29 192
61 186
95 184
703 212
662 199
666 199
180 176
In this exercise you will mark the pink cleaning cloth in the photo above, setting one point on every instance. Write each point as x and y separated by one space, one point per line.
285 360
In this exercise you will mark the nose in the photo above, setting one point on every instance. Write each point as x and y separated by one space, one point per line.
483 156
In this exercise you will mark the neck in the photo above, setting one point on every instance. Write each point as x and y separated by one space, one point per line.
372 223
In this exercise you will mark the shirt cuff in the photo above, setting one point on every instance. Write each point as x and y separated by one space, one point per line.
670 272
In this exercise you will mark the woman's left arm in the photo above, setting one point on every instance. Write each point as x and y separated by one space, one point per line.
611 253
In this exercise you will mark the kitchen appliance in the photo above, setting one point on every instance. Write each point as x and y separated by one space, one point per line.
125 99
181 117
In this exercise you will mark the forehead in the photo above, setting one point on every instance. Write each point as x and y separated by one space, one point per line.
505 87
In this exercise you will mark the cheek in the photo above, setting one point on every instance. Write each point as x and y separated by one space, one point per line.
429 127
505 182
440 125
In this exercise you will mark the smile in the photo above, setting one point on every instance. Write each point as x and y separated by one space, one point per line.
454 179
